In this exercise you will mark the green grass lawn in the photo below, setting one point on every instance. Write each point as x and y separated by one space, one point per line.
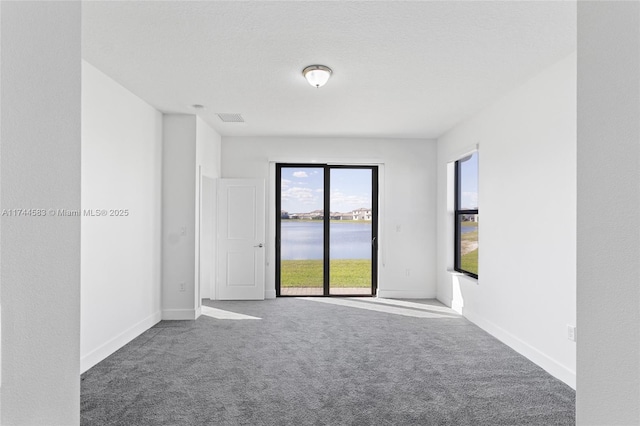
469 236
469 261
343 273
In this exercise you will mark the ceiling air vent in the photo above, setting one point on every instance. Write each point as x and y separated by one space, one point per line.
230 118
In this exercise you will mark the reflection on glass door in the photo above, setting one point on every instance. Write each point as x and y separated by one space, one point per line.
302 231
326 230
350 231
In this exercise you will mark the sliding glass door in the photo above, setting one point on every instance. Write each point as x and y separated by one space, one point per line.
326 230
351 231
301 227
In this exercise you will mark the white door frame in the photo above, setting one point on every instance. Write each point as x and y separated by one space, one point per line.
270 255
207 288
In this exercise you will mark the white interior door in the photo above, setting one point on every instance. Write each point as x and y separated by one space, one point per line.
207 236
241 223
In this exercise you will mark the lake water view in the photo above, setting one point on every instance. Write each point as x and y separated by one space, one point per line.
302 240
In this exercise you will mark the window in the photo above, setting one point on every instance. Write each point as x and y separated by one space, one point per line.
466 215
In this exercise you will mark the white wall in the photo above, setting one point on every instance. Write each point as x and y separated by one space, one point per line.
407 199
208 148
40 169
190 147
526 291
208 145
608 202
121 169
178 216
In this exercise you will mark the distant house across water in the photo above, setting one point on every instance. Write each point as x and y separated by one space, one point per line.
469 217
314 215
359 214
341 216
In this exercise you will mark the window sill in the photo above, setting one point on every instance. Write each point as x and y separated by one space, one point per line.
453 272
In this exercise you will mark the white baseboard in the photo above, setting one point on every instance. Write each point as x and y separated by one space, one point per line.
198 311
549 364
103 351
179 314
269 294
405 294
457 306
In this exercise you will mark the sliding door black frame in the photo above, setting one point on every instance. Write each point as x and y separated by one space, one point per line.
326 224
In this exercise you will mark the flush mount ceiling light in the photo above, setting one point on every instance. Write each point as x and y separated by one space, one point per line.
317 75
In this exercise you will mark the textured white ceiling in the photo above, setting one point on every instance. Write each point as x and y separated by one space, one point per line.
401 69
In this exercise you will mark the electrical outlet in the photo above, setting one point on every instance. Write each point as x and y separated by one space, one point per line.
571 333
182 287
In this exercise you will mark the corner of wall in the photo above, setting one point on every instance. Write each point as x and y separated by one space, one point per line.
532 128
116 124
608 170
180 314
112 345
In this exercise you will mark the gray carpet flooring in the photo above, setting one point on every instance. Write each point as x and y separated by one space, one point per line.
310 363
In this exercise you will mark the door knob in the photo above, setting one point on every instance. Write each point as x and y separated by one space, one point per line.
259 245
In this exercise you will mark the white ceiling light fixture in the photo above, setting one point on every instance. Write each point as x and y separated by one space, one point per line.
317 75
